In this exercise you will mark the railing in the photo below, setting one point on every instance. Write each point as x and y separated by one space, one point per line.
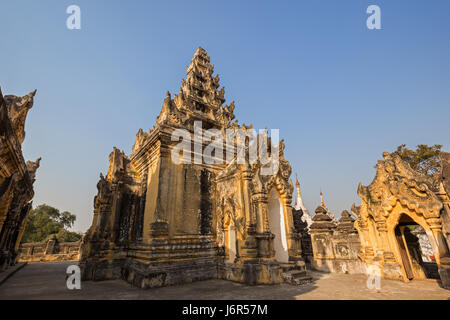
52 250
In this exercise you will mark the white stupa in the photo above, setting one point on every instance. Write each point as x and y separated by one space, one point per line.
306 217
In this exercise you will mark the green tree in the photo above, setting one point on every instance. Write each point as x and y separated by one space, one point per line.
67 219
45 221
425 159
64 235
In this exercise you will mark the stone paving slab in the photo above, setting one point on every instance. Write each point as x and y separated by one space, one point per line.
48 281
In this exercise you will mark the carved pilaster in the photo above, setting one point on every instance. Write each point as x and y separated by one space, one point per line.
260 204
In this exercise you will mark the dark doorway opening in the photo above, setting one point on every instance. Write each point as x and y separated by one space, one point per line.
415 250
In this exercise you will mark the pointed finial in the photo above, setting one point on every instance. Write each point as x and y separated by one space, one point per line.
299 194
322 203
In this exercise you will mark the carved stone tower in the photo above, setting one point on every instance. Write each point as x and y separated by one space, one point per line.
160 219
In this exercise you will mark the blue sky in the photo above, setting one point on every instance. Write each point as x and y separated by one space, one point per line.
339 93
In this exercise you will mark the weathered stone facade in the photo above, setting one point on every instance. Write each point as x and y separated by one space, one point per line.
157 222
16 175
49 251
401 229
335 245
257 209
398 197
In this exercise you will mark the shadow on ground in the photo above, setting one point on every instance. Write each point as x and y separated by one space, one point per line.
48 281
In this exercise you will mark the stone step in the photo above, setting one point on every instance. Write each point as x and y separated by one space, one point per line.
296 277
294 274
303 280
298 265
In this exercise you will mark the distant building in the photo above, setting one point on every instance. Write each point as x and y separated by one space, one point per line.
299 205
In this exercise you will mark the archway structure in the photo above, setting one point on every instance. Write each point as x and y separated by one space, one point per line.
397 192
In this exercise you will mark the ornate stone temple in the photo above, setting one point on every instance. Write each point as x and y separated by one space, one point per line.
160 222
397 199
16 175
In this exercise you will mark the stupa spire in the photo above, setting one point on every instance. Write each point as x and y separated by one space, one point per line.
200 98
299 194
322 203
200 87
299 205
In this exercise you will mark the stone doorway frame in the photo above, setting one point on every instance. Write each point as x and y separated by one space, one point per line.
393 221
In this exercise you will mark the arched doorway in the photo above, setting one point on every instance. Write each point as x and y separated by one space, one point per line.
277 226
415 250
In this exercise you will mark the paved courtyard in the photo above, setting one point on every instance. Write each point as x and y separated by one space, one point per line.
48 281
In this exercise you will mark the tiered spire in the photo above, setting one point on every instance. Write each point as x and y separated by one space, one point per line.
306 217
328 212
200 87
199 98
322 220
200 94
346 223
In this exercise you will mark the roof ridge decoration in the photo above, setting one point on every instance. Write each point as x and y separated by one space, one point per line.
395 180
18 108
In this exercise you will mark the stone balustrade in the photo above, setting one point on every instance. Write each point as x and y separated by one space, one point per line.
51 250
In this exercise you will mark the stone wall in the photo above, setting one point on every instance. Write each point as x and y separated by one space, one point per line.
51 250
335 246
